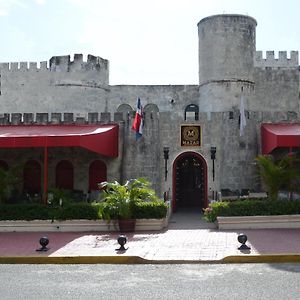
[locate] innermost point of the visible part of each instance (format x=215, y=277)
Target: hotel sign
x=190, y=135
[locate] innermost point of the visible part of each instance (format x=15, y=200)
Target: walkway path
x=187, y=239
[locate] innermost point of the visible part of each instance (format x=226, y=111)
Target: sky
x=146, y=41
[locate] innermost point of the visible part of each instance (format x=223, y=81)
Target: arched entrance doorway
x=189, y=182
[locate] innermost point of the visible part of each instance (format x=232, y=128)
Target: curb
x=72, y=260
x=266, y=258
x=269, y=258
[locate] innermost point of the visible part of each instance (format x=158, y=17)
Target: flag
x=243, y=121
x=137, y=125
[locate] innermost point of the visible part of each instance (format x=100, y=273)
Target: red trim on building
x=101, y=139
x=283, y=135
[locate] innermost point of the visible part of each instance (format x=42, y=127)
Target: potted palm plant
x=120, y=200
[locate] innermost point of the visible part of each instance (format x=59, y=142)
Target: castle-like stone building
x=71, y=129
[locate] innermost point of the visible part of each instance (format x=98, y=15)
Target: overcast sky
x=146, y=42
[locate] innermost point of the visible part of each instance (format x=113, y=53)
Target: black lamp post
x=166, y=157
x=213, y=151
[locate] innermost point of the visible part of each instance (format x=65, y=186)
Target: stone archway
x=189, y=182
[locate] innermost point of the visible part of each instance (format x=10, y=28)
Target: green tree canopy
x=278, y=174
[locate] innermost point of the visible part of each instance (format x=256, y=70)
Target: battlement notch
x=281, y=62
x=62, y=64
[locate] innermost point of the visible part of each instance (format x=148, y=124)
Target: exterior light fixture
x=122, y=240
x=213, y=151
x=166, y=157
x=44, y=241
x=242, y=238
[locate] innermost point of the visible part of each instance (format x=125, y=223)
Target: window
x=191, y=111
x=151, y=110
x=126, y=109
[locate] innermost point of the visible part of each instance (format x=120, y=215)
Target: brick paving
x=187, y=238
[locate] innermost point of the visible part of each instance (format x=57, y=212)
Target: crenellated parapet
x=61, y=64
x=281, y=62
x=60, y=118
x=93, y=63
x=23, y=66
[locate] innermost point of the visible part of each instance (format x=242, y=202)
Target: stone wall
x=276, y=89
x=64, y=86
x=66, y=92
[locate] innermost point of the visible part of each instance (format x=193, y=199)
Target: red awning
x=279, y=135
x=102, y=139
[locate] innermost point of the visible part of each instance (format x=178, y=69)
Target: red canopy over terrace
x=284, y=135
x=102, y=139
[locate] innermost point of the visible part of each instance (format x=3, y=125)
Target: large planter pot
x=127, y=225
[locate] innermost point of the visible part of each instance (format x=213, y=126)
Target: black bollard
x=242, y=238
x=122, y=240
x=44, y=241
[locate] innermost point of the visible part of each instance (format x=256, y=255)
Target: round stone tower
x=226, y=54
x=226, y=48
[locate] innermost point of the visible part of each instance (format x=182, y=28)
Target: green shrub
x=251, y=207
x=141, y=210
x=120, y=200
x=56, y=195
x=210, y=214
x=25, y=212
x=77, y=211
x=150, y=210
x=41, y=212
x=70, y=211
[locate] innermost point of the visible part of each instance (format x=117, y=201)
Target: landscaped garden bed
x=254, y=213
x=76, y=217
x=134, y=200
x=271, y=212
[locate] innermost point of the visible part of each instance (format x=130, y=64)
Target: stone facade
x=229, y=66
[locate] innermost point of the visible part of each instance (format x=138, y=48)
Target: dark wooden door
x=190, y=188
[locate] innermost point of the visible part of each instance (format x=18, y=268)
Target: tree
x=280, y=174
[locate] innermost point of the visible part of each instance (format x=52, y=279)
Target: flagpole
x=137, y=125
